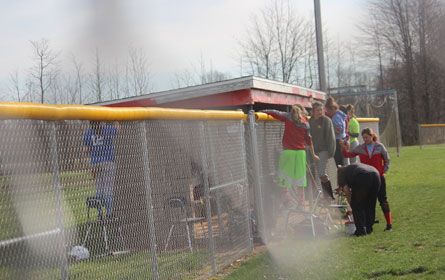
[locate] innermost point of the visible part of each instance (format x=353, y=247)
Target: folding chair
x=175, y=204
x=340, y=204
x=95, y=202
x=314, y=204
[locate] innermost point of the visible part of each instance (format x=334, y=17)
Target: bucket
x=349, y=227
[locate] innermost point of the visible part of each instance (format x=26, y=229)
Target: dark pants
x=363, y=201
x=338, y=156
x=383, y=200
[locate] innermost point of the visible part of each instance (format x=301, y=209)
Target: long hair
x=331, y=104
x=303, y=110
x=351, y=110
x=297, y=114
x=370, y=133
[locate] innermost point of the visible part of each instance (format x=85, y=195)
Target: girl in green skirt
x=292, y=165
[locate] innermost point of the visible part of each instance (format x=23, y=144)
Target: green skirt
x=292, y=168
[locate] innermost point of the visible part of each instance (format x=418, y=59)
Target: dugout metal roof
x=229, y=94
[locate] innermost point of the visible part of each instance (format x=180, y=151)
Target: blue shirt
x=338, y=120
x=370, y=149
x=100, y=146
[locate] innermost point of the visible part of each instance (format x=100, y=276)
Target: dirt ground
x=258, y=249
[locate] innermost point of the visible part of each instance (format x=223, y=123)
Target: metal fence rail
x=431, y=134
x=173, y=192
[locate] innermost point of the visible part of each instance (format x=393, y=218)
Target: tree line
x=400, y=46
x=46, y=82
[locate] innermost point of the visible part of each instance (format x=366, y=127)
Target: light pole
x=319, y=39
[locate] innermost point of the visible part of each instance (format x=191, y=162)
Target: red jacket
x=347, y=127
x=378, y=158
x=295, y=136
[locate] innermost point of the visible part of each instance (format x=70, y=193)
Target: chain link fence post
x=216, y=183
x=420, y=136
x=58, y=200
x=246, y=183
x=205, y=171
x=151, y=226
x=258, y=189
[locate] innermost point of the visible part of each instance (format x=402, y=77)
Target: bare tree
x=15, y=84
x=127, y=81
x=116, y=78
x=406, y=34
x=69, y=88
x=207, y=74
x=30, y=91
x=184, y=78
x=45, y=66
x=275, y=42
x=203, y=73
x=429, y=17
x=97, y=81
x=139, y=70
x=310, y=61
x=78, y=67
x=372, y=47
x=291, y=32
x=257, y=48
x=55, y=90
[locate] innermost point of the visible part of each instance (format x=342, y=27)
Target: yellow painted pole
x=368, y=119
x=9, y=110
x=264, y=117
x=432, y=125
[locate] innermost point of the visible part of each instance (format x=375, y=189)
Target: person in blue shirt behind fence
x=98, y=142
x=339, y=122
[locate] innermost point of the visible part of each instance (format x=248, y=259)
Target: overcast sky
x=174, y=32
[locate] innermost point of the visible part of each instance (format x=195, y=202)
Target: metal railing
x=431, y=134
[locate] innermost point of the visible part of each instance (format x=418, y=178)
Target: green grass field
x=415, y=249
x=172, y=265
x=75, y=188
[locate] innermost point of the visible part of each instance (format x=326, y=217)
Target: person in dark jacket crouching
x=361, y=183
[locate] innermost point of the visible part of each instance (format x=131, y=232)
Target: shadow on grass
x=394, y=272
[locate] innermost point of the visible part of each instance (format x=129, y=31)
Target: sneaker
x=357, y=233
x=368, y=230
x=388, y=228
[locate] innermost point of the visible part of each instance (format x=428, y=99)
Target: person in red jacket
x=292, y=164
x=374, y=153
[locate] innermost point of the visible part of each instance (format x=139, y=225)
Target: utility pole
x=319, y=39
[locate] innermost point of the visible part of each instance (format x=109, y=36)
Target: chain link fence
x=431, y=135
x=156, y=198
x=166, y=195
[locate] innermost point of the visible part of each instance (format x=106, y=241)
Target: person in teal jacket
x=339, y=122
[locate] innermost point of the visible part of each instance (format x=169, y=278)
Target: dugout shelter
x=246, y=93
